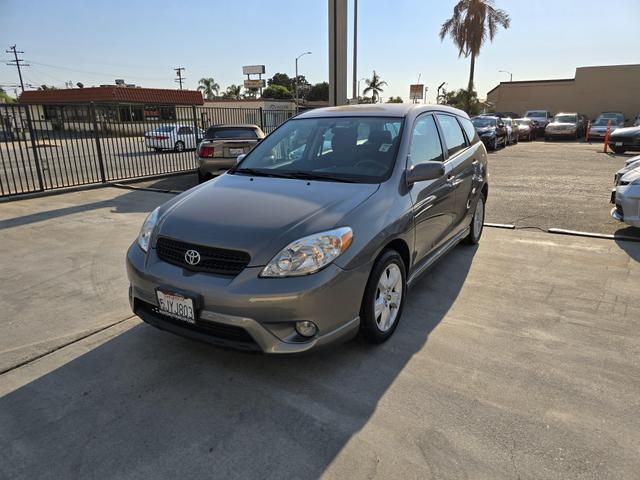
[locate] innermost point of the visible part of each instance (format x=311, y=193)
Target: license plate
x=236, y=151
x=618, y=144
x=176, y=306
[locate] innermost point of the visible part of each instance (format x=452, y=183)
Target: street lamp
x=510, y=74
x=301, y=55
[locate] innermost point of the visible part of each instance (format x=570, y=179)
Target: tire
x=202, y=178
x=477, y=222
x=179, y=146
x=378, y=327
x=494, y=145
x=516, y=140
x=618, y=150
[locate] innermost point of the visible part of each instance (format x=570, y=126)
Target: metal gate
x=78, y=144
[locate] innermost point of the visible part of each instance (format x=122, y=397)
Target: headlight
x=309, y=254
x=147, y=229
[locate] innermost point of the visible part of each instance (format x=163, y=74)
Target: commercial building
x=591, y=91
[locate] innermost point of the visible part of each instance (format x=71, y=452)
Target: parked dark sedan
x=625, y=140
x=526, y=129
x=491, y=130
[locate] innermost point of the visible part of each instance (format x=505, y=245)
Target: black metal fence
x=57, y=146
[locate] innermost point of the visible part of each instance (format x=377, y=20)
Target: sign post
x=416, y=92
x=249, y=70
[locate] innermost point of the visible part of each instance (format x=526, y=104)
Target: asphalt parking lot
x=514, y=359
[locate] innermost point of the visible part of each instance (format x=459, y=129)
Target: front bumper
x=627, y=204
x=626, y=142
x=560, y=133
x=215, y=166
x=249, y=312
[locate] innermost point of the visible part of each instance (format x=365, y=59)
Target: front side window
x=425, y=142
x=452, y=133
x=350, y=149
x=469, y=129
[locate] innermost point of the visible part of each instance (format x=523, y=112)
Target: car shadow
x=150, y=404
x=623, y=238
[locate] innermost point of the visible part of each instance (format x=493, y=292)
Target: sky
x=141, y=41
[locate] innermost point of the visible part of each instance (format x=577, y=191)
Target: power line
x=179, y=74
x=90, y=72
x=18, y=62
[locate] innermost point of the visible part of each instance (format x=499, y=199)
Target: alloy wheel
x=478, y=219
x=388, y=297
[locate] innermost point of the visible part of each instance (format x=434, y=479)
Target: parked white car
x=178, y=137
x=626, y=198
x=630, y=164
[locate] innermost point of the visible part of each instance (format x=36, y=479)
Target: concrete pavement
x=517, y=359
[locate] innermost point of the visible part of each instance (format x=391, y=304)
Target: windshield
x=230, y=133
x=351, y=149
x=565, y=119
x=603, y=122
x=483, y=122
x=536, y=113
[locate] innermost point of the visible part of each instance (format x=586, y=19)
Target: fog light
x=306, y=328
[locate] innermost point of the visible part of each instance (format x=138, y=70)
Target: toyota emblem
x=192, y=257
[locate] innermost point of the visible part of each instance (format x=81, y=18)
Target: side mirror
x=240, y=158
x=425, y=171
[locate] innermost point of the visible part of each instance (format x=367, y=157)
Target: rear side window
x=184, y=131
x=469, y=129
x=452, y=134
x=215, y=133
x=425, y=142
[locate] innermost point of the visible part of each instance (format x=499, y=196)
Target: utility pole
x=18, y=62
x=355, y=49
x=179, y=74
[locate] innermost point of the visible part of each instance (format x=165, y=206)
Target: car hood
x=483, y=130
x=260, y=215
x=631, y=160
x=561, y=125
x=627, y=132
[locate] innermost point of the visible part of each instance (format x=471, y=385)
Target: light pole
x=510, y=74
x=301, y=55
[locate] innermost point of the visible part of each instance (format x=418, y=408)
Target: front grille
x=205, y=327
x=212, y=260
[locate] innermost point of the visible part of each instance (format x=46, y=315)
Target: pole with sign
x=249, y=70
x=416, y=92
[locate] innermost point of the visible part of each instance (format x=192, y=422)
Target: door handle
x=452, y=180
x=475, y=161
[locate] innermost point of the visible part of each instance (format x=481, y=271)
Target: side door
x=459, y=164
x=472, y=173
x=433, y=200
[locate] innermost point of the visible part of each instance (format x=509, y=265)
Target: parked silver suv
x=316, y=233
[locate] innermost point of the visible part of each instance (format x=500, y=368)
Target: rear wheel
x=383, y=299
x=202, y=177
x=477, y=223
x=179, y=146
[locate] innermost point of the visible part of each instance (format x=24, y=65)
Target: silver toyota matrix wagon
x=317, y=233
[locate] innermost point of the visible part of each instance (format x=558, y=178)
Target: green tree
x=374, y=86
x=208, y=87
x=394, y=100
x=464, y=100
x=319, y=91
x=472, y=22
x=277, y=92
x=281, y=79
x=4, y=97
x=233, y=92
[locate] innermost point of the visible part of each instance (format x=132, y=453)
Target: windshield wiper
x=318, y=176
x=260, y=173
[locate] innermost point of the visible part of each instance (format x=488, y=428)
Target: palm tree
x=471, y=23
x=374, y=85
x=208, y=87
x=233, y=92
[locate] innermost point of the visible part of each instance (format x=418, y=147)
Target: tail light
x=206, y=151
x=159, y=137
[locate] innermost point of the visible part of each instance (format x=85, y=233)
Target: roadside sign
x=416, y=91
x=253, y=70
x=254, y=83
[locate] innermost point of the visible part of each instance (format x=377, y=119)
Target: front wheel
x=618, y=150
x=179, y=146
x=477, y=223
x=383, y=299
